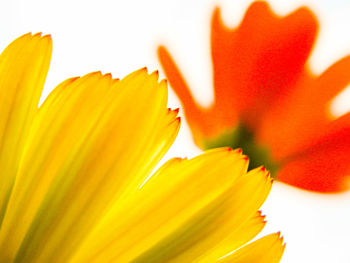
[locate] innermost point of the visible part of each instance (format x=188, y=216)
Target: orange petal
x=179, y=85
x=203, y=122
x=261, y=59
x=178, y=82
x=287, y=127
x=332, y=81
x=304, y=112
x=325, y=167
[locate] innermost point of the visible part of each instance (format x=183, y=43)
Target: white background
x=122, y=36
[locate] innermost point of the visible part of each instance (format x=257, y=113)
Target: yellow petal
x=218, y=246
x=95, y=139
x=226, y=213
x=170, y=197
x=23, y=68
x=268, y=249
x=180, y=206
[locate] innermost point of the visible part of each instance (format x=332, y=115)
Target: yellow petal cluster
x=76, y=174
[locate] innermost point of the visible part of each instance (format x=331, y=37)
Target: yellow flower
x=75, y=174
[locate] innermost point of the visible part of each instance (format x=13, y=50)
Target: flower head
x=75, y=177
x=269, y=103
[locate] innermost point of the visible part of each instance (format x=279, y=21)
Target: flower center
x=241, y=137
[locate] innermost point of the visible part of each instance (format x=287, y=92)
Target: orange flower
x=269, y=103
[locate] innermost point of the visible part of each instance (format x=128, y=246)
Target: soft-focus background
x=122, y=36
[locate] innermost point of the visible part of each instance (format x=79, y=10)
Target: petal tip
x=155, y=74
x=38, y=34
x=164, y=82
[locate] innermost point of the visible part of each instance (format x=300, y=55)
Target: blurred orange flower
x=269, y=103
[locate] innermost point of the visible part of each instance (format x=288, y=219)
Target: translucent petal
x=88, y=147
x=212, y=223
x=268, y=249
x=169, y=200
x=23, y=68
